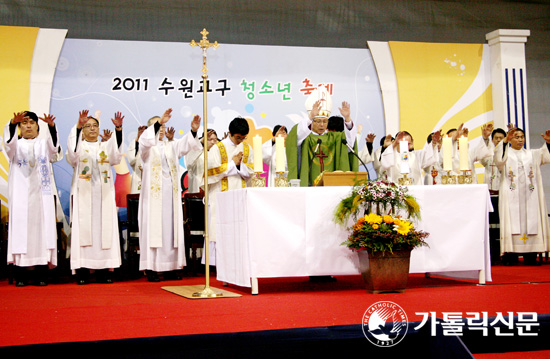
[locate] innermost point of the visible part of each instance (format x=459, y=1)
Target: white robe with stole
x=95, y=240
x=160, y=213
x=390, y=163
x=524, y=226
x=32, y=235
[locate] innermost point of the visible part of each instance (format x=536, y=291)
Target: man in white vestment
x=134, y=159
x=95, y=242
x=32, y=236
x=269, y=155
x=230, y=166
x=492, y=179
x=475, y=153
x=492, y=174
x=524, y=226
x=366, y=153
x=396, y=161
x=194, y=161
x=432, y=174
x=160, y=214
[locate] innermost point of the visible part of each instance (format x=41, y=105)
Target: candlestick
x=463, y=153
x=280, y=154
x=447, y=148
x=257, y=148
x=404, y=152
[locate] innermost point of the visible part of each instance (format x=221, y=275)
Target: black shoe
x=530, y=259
x=82, y=276
x=152, y=276
x=40, y=276
x=21, y=276
x=104, y=276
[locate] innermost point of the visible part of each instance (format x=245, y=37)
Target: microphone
x=318, y=144
x=352, y=151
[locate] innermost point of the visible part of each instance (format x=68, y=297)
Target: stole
x=531, y=196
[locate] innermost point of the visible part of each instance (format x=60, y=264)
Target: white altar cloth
x=289, y=232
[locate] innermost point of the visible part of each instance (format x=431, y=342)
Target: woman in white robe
x=160, y=216
x=32, y=236
x=95, y=242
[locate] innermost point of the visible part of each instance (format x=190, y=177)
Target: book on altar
x=340, y=178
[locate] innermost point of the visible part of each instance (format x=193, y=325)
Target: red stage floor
x=136, y=309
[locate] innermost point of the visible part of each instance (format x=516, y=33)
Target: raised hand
x=486, y=130
x=140, y=131
x=82, y=118
x=546, y=136
x=117, y=121
x=370, y=137
x=169, y=133
x=345, y=111
x=165, y=116
x=315, y=109
x=48, y=119
x=398, y=139
x=437, y=137
x=106, y=135
x=18, y=117
x=388, y=141
x=196, y=123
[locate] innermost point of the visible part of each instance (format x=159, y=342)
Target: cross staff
x=204, y=44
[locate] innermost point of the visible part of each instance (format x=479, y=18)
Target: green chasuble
x=332, y=155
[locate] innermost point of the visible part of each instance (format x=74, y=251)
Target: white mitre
x=320, y=93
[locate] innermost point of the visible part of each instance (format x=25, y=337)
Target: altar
x=289, y=232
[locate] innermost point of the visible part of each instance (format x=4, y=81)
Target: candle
x=257, y=148
x=280, y=157
x=404, y=151
x=463, y=153
x=447, y=148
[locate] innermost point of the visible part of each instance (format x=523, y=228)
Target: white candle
x=447, y=148
x=257, y=148
x=463, y=153
x=404, y=151
x=280, y=158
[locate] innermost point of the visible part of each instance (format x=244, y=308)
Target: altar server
x=160, y=216
x=230, y=167
x=32, y=237
x=524, y=224
x=95, y=243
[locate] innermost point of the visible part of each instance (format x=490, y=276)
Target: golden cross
x=524, y=238
x=204, y=44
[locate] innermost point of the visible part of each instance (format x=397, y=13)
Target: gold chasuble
x=331, y=155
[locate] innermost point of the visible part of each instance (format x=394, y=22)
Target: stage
x=292, y=317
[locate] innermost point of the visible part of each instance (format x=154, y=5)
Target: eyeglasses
x=93, y=125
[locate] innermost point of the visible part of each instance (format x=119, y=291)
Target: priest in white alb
x=399, y=157
x=524, y=226
x=134, y=159
x=32, y=236
x=160, y=216
x=95, y=242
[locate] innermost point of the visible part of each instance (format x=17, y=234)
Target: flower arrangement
x=384, y=233
x=376, y=196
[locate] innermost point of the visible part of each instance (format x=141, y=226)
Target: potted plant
x=383, y=242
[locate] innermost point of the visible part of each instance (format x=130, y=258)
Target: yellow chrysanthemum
x=403, y=227
x=373, y=218
x=396, y=221
x=388, y=219
x=374, y=226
